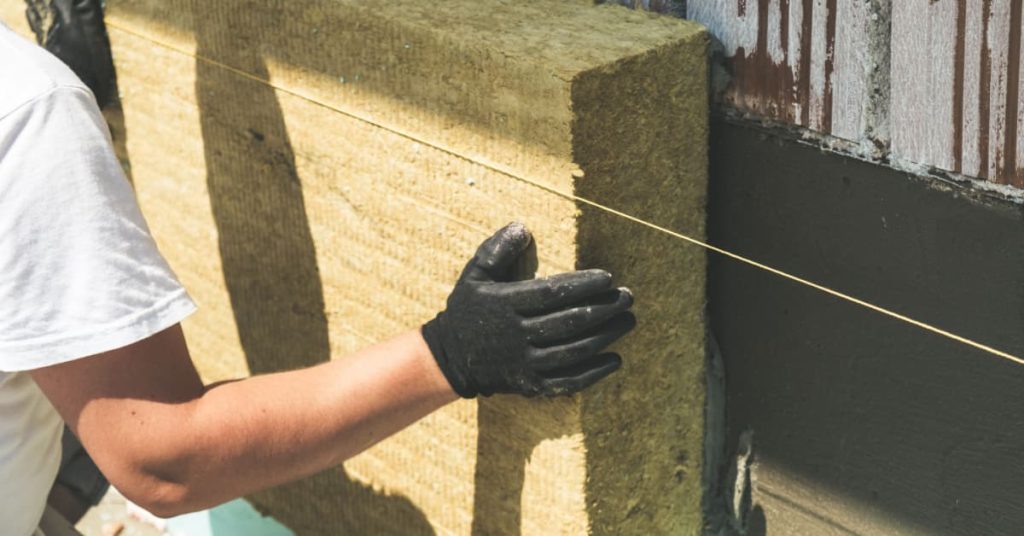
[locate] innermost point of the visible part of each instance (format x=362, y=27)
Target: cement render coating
x=305, y=234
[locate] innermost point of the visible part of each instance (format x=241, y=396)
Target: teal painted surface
x=235, y=518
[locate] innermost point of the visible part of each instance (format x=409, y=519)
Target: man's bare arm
x=172, y=445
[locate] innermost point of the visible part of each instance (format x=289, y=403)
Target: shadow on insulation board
x=256, y=199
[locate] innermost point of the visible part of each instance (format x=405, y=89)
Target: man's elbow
x=160, y=498
x=163, y=489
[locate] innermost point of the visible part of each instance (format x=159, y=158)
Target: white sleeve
x=79, y=272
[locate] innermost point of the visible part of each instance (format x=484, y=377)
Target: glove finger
x=35, y=19
x=561, y=325
x=496, y=256
x=89, y=7
x=63, y=11
x=542, y=296
x=575, y=352
x=578, y=378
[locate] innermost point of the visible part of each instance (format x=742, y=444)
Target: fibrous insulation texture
x=317, y=172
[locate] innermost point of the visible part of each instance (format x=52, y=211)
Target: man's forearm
x=174, y=446
x=251, y=434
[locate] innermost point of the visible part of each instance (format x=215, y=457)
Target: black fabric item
x=529, y=337
x=73, y=30
x=78, y=472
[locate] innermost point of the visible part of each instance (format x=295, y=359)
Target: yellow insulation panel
x=318, y=171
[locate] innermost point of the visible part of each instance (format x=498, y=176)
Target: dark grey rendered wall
x=863, y=424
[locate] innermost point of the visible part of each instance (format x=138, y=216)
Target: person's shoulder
x=29, y=73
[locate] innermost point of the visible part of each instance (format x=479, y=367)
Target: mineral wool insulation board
x=318, y=172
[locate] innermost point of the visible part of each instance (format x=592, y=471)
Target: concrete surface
x=112, y=512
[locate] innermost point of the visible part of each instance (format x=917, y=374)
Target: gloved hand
x=538, y=336
x=73, y=30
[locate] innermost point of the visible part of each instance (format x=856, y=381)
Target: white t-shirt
x=79, y=272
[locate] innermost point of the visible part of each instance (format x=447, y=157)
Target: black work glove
x=538, y=336
x=73, y=30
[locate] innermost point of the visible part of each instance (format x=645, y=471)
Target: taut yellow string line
x=493, y=166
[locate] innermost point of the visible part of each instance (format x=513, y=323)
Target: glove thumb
x=496, y=257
